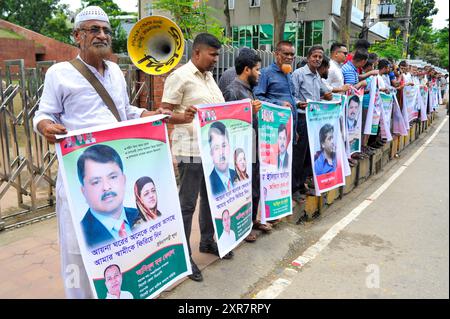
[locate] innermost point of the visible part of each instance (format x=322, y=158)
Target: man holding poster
x=70, y=102
x=192, y=84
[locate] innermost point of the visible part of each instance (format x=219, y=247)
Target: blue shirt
x=308, y=85
x=276, y=87
x=350, y=73
x=321, y=165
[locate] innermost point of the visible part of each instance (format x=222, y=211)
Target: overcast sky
x=131, y=6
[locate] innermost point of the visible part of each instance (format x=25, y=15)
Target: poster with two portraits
x=120, y=186
x=225, y=137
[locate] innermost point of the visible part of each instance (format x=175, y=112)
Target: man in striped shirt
x=350, y=69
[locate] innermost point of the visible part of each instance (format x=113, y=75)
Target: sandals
x=250, y=238
x=264, y=227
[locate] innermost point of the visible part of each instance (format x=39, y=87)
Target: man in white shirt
x=193, y=84
x=338, y=55
x=113, y=282
x=70, y=102
x=228, y=237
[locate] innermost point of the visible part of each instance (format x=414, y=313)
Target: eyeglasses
x=95, y=30
x=345, y=52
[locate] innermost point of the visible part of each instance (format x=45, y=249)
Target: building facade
x=316, y=22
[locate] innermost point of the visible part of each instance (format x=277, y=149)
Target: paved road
x=398, y=247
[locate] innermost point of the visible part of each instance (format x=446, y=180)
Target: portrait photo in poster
x=275, y=161
x=385, y=120
x=225, y=141
x=354, y=122
x=326, y=146
x=410, y=94
x=131, y=237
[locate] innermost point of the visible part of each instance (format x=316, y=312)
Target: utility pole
x=296, y=11
x=366, y=21
x=407, y=28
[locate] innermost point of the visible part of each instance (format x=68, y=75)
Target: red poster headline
x=236, y=111
x=331, y=179
x=150, y=131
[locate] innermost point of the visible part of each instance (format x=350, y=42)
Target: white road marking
x=279, y=285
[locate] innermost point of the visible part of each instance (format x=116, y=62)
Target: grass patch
x=4, y=33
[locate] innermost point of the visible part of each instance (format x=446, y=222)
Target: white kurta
x=69, y=99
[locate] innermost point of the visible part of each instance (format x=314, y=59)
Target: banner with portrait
x=225, y=136
x=354, y=105
x=423, y=100
x=120, y=187
x=434, y=97
x=385, y=122
x=399, y=126
x=374, y=110
x=410, y=103
x=275, y=133
x=327, y=149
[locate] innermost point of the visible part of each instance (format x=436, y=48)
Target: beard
x=252, y=81
x=103, y=51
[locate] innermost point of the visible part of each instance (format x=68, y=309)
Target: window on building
x=255, y=3
x=231, y=4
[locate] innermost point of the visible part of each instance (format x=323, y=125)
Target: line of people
x=69, y=102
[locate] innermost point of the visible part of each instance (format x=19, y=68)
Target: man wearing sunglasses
x=338, y=54
x=70, y=102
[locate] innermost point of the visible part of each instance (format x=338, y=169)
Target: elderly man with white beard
x=69, y=102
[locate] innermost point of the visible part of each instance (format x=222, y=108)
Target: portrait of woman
x=146, y=199
x=240, y=165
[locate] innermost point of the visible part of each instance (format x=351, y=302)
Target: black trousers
x=192, y=182
x=256, y=190
x=301, y=161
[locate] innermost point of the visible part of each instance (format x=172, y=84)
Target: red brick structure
x=35, y=47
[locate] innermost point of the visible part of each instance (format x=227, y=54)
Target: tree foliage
x=389, y=48
x=192, y=17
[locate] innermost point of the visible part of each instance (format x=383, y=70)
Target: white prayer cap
x=91, y=13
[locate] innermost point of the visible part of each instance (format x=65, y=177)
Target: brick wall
x=12, y=49
x=54, y=50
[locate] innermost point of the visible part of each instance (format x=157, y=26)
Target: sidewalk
x=30, y=263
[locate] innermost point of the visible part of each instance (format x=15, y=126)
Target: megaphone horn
x=155, y=45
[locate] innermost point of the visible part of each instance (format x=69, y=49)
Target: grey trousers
x=192, y=182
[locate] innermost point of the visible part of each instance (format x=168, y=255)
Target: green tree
x=389, y=48
x=32, y=15
x=58, y=26
x=192, y=17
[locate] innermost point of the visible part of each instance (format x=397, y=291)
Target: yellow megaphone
x=155, y=45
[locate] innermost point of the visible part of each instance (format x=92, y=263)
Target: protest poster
x=399, y=125
x=225, y=137
x=410, y=102
x=423, y=100
x=120, y=186
x=275, y=132
x=354, y=120
x=434, y=97
x=386, y=114
x=374, y=109
x=325, y=142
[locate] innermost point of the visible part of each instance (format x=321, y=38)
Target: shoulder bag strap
x=83, y=69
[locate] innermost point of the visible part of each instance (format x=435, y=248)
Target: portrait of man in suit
x=100, y=172
x=353, y=113
x=221, y=177
x=283, y=156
